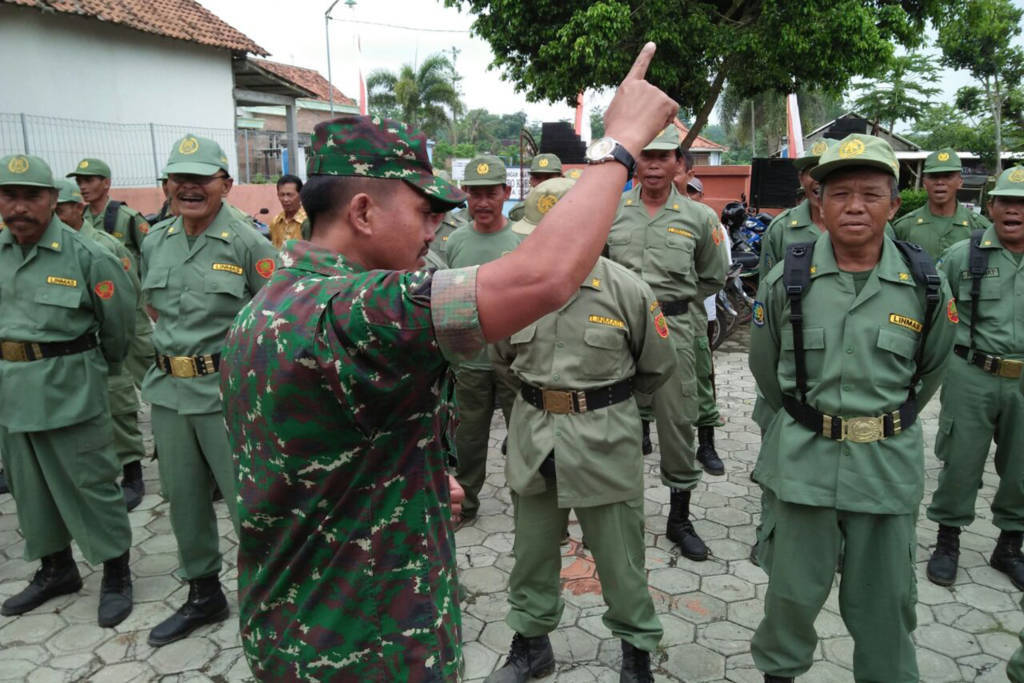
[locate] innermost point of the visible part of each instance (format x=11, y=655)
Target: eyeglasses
x=189, y=178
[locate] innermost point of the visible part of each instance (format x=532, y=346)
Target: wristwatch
x=609, y=149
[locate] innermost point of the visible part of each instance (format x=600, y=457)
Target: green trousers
x=976, y=408
x=877, y=590
x=64, y=483
x=675, y=411
x=141, y=355
x=707, y=406
x=615, y=536
x=477, y=394
x=195, y=456
x=124, y=409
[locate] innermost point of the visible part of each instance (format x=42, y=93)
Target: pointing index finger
x=643, y=60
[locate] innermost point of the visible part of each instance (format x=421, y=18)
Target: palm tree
x=425, y=97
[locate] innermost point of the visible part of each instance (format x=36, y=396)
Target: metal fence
x=135, y=151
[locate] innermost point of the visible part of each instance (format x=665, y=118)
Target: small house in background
x=704, y=151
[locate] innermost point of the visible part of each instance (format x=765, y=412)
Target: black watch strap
x=622, y=155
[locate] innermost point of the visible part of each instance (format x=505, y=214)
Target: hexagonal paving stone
x=727, y=587
x=77, y=639
x=698, y=608
x=947, y=640
x=725, y=637
x=694, y=663
x=673, y=581
x=184, y=655
x=29, y=629
x=573, y=644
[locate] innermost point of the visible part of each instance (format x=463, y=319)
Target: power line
x=404, y=28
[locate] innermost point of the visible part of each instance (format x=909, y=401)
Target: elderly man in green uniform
x=542, y=167
x=198, y=272
x=124, y=400
x=851, y=336
x=65, y=321
x=943, y=221
x=980, y=400
x=670, y=241
x=346, y=559
x=478, y=388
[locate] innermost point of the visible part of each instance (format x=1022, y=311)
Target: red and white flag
x=794, y=129
x=363, y=99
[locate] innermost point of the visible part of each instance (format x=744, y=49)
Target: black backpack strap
x=796, y=278
x=110, y=216
x=977, y=265
x=922, y=267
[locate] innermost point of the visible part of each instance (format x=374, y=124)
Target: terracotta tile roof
x=180, y=19
x=310, y=79
x=699, y=143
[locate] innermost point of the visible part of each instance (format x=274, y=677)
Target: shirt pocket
x=814, y=354
x=893, y=366
x=154, y=287
x=677, y=256
x=524, y=336
x=52, y=315
x=225, y=291
x=602, y=355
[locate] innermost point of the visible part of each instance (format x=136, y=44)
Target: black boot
x=527, y=658
x=636, y=665
x=504, y=446
x=115, y=592
x=707, y=456
x=58, y=575
x=680, y=530
x=646, y=447
x=1007, y=557
x=768, y=678
x=206, y=604
x=3, y=483
x=132, y=485
x=942, y=564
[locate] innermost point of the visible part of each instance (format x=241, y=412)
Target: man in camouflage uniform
x=346, y=560
x=542, y=167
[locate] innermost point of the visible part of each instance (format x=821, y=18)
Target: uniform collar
x=961, y=216
x=673, y=203
x=890, y=266
x=52, y=238
x=800, y=216
x=596, y=278
x=219, y=229
x=303, y=255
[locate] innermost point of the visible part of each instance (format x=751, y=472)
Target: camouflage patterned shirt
x=330, y=377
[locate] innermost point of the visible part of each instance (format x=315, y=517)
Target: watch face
x=600, y=148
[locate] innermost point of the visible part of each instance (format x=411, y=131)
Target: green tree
x=553, y=49
x=901, y=90
x=758, y=123
x=982, y=37
x=425, y=97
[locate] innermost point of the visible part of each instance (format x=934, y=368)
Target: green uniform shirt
x=130, y=228
x=197, y=290
x=860, y=351
x=66, y=286
x=610, y=330
x=448, y=225
x=937, y=233
x=792, y=226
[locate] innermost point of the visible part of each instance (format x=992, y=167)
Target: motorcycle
x=746, y=226
x=733, y=307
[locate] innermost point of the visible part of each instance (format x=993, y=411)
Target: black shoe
x=646, y=446
x=768, y=678
x=707, y=456
x=115, y=592
x=132, y=485
x=527, y=658
x=206, y=604
x=943, y=562
x=3, y=483
x=1007, y=557
x=636, y=665
x=680, y=530
x=58, y=575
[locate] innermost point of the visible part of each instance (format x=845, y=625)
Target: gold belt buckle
x=863, y=429
x=558, y=402
x=1010, y=368
x=13, y=351
x=183, y=366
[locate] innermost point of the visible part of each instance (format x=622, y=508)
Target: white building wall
x=81, y=87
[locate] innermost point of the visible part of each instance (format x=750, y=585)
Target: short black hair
x=289, y=178
x=687, y=157
x=324, y=195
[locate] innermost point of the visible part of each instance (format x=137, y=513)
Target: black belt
x=16, y=351
x=989, y=363
x=565, y=402
x=189, y=366
x=854, y=429
x=670, y=308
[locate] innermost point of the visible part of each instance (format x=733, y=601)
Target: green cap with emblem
x=196, y=156
x=546, y=163
x=373, y=147
x=89, y=166
x=857, y=150
x=69, y=192
x=1009, y=184
x=942, y=161
x=811, y=155
x=485, y=170
x=539, y=202
x=25, y=169
x=667, y=139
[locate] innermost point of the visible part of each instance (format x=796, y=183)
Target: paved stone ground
x=709, y=609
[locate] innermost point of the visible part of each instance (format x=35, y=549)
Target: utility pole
x=327, y=36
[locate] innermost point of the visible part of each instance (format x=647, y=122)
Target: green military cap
x=539, y=202
x=69, y=192
x=546, y=163
x=942, y=161
x=485, y=170
x=667, y=139
x=373, y=147
x=196, y=156
x=810, y=156
x=23, y=169
x=1010, y=183
x=857, y=150
x=90, y=167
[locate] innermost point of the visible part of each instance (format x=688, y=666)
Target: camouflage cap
x=485, y=170
x=539, y=202
x=857, y=150
x=546, y=163
x=667, y=139
x=1010, y=183
x=69, y=192
x=372, y=147
x=942, y=160
x=24, y=169
x=194, y=155
x=810, y=157
x=90, y=167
